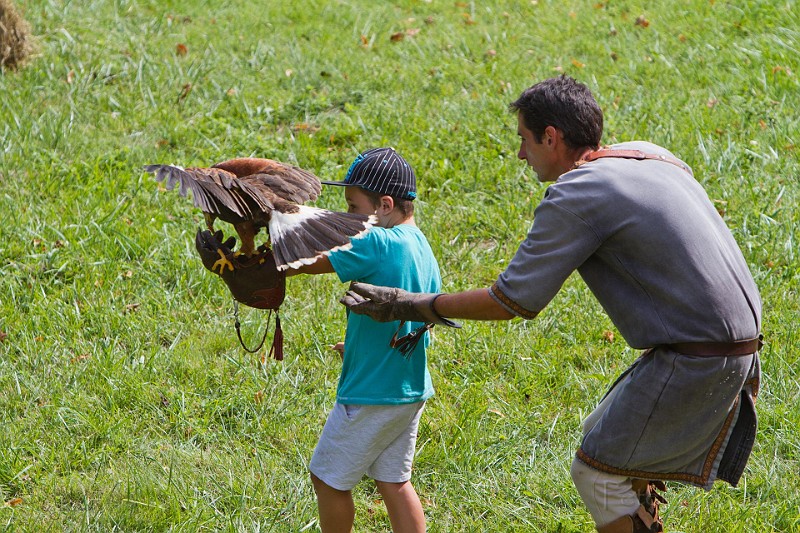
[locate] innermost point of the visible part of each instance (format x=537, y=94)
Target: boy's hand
x=253, y=281
x=387, y=304
x=338, y=348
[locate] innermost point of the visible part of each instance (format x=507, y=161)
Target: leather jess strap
x=632, y=154
x=710, y=349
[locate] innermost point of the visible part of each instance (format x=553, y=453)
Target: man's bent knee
x=608, y=497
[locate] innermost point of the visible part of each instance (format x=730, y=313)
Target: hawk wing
x=286, y=181
x=215, y=191
x=252, y=193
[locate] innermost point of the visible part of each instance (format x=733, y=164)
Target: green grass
x=126, y=402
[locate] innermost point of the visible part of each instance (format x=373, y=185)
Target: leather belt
x=711, y=349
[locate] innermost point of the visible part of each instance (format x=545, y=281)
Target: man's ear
x=551, y=136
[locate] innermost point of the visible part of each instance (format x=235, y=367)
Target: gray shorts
x=376, y=440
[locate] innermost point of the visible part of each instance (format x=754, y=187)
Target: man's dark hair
x=564, y=104
x=406, y=207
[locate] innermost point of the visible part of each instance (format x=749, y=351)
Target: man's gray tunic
x=652, y=248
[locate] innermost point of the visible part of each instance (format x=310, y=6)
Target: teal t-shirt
x=372, y=371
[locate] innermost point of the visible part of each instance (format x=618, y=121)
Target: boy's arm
x=320, y=266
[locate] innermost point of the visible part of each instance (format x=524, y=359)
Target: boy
x=372, y=428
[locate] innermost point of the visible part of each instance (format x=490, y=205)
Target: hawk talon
x=222, y=262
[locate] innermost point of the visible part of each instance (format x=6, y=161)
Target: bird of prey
x=253, y=193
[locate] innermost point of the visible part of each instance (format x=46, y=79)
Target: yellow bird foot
x=222, y=262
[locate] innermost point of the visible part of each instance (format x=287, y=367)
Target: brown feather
x=246, y=191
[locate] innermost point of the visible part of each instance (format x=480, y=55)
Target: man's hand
x=387, y=304
x=253, y=281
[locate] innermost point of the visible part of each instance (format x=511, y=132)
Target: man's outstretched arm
x=475, y=304
x=386, y=304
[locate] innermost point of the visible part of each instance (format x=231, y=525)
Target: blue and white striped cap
x=381, y=170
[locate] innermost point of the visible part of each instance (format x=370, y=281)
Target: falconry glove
x=387, y=304
x=254, y=281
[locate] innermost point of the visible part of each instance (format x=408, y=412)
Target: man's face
x=537, y=154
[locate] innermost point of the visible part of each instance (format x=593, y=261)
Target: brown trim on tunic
x=701, y=480
x=511, y=304
x=631, y=154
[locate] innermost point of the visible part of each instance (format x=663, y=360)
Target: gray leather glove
x=387, y=304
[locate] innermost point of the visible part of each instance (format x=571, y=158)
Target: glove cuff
x=439, y=319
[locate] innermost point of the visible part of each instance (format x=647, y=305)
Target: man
x=648, y=242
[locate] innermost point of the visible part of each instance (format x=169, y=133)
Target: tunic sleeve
x=558, y=242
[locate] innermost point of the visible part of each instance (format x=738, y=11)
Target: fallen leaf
x=491, y=53
x=181, y=49
x=497, y=412
x=259, y=396
x=187, y=88
x=81, y=357
x=682, y=38
x=641, y=21
x=130, y=308
x=711, y=102
x=364, y=40
x=70, y=76
x=608, y=336
x=231, y=92
x=303, y=126
x=720, y=206
x=577, y=63
x=399, y=36
x=13, y=502
x=411, y=32
x=3, y=335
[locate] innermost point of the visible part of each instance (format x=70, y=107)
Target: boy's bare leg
x=336, y=509
x=403, y=505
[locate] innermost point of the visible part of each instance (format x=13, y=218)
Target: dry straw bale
x=16, y=42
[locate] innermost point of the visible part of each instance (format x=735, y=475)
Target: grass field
x=126, y=403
